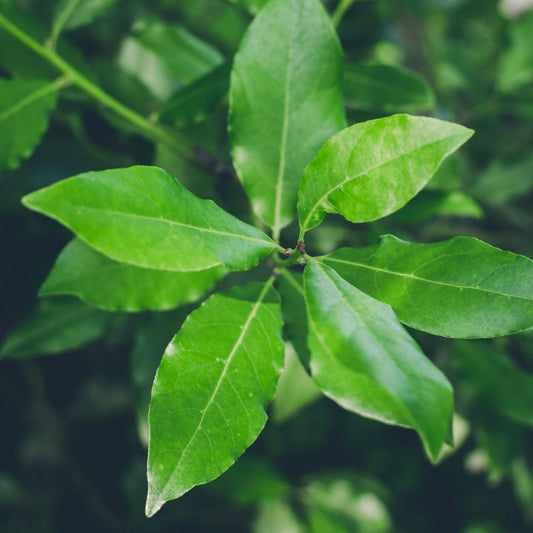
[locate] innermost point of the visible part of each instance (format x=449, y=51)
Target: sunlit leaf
x=461, y=287
x=144, y=217
x=370, y=170
x=209, y=395
x=363, y=359
x=285, y=101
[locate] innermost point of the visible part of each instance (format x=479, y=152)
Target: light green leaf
x=461, y=288
x=25, y=106
x=502, y=384
x=81, y=271
x=285, y=102
x=166, y=57
x=71, y=14
x=57, y=325
x=385, y=88
x=370, y=170
x=144, y=217
x=209, y=395
x=195, y=101
x=363, y=359
x=276, y=516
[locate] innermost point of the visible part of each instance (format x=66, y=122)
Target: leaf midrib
x=163, y=220
x=367, y=171
x=223, y=374
x=418, y=278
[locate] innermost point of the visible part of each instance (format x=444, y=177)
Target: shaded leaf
x=276, y=516
x=209, y=395
x=501, y=383
x=285, y=101
x=166, y=57
x=57, y=325
x=195, y=101
x=71, y=14
x=144, y=217
x=385, y=88
x=81, y=271
x=370, y=170
x=461, y=288
x=363, y=359
x=25, y=106
x=253, y=6
x=503, y=182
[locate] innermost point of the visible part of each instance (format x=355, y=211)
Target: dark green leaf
x=72, y=14
x=363, y=359
x=166, y=57
x=209, y=395
x=102, y=282
x=25, y=106
x=253, y=6
x=503, y=182
x=56, y=325
x=386, y=88
x=370, y=170
x=285, y=101
x=499, y=382
x=144, y=217
x=462, y=288
x=196, y=100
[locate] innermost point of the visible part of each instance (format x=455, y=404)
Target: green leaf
x=363, y=359
x=385, y=88
x=81, y=271
x=56, y=325
x=516, y=65
x=370, y=170
x=276, y=516
x=209, y=395
x=25, y=106
x=144, y=217
x=461, y=288
x=166, y=57
x=195, y=101
x=253, y=6
x=285, y=102
x=504, y=182
x=71, y=14
x=506, y=387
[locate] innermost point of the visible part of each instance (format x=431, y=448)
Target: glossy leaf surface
x=461, y=287
x=370, y=170
x=209, y=395
x=72, y=14
x=82, y=271
x=285, y=102
x=56, y=325
x=385, y=88
x=25, y=106
x=363, y=359
x=144, y=217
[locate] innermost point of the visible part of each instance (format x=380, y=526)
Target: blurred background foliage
x=72, y=452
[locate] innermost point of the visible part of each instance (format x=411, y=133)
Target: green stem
x=340, y=10
x=59, y=22
x=151, y=130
